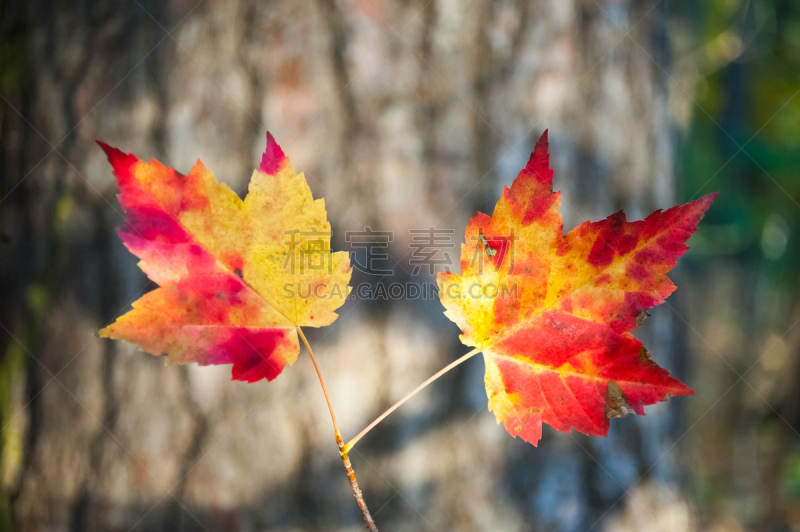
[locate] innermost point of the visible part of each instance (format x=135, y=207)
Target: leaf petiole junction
x=351, y=475
x=349, y=445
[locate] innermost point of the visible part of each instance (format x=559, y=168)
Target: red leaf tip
x=119, y=159
x=539, y=163
x=709, y=198
x=110, y=151
x=273, y=158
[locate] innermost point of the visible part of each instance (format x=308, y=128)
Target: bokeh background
x=403, y=115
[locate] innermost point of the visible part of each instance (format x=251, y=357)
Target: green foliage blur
x=744, y=134
x=741, y=65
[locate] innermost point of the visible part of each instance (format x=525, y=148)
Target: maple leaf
x=552, y=313
x=237, y=277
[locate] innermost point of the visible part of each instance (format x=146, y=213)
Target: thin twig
x=411, y=394
x=351, y=475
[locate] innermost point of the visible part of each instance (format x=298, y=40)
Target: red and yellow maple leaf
x=552, y=313
x=237, y=277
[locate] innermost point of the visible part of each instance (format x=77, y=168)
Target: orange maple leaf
x=237, y=277
x=552, y=313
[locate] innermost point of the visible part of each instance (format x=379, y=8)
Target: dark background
x=403, y=115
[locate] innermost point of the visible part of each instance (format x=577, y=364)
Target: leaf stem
x=348, y=467
x=411, y=394
x=319, y=376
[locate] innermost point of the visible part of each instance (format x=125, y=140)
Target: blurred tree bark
x=402, y=115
